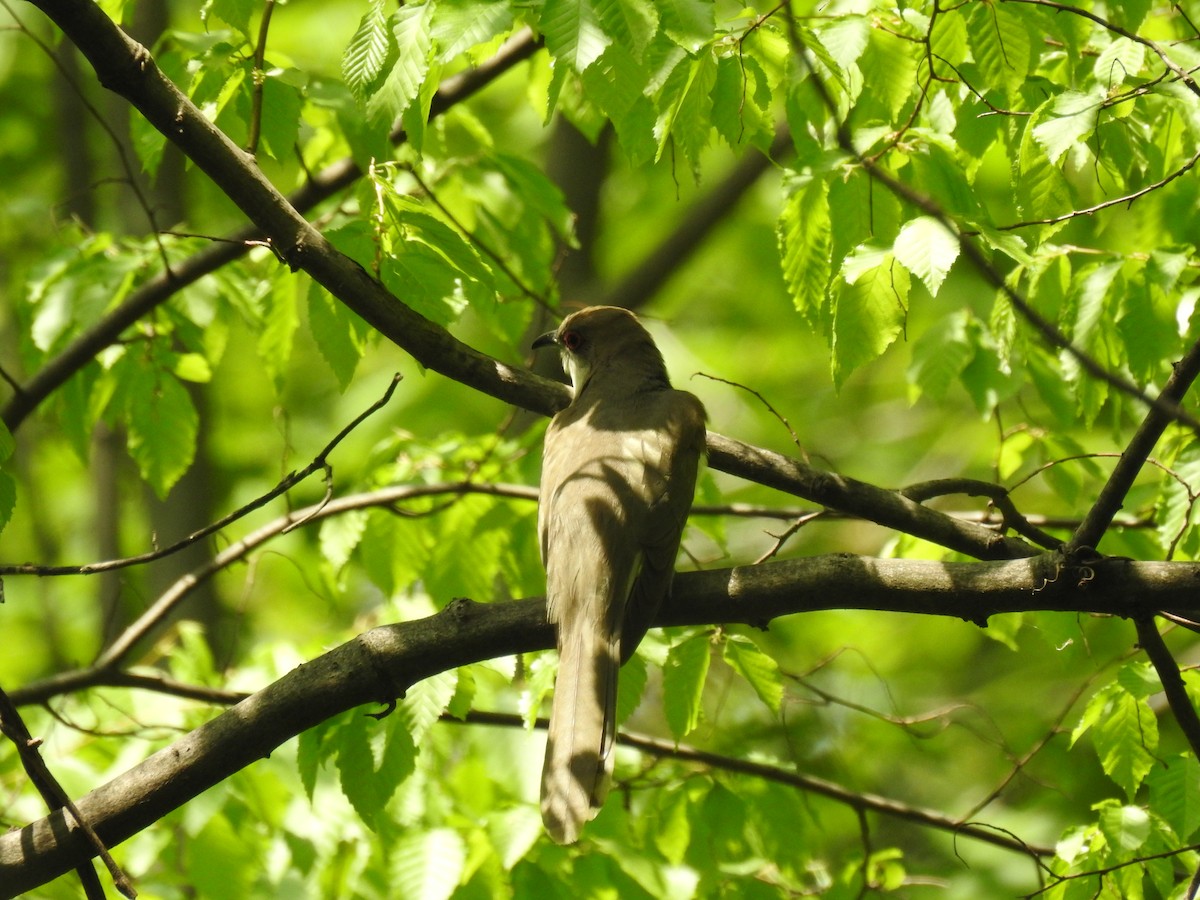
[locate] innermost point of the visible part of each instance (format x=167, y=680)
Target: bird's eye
x=572, y=340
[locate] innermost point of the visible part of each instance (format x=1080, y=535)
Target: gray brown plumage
x=618, y=475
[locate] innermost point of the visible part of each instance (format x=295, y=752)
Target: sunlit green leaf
x=683, y=682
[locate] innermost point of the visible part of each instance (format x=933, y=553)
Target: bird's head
x=605, y=338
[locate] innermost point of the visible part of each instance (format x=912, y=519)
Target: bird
x=619, y=469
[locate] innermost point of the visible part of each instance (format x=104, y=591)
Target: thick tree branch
x=379, y=665
x=162, y=287
x=127, y=68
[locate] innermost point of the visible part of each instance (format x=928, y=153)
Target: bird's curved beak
x=545, y=340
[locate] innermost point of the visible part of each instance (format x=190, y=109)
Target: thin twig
x=14, y=728
x=287, y=483
x=779, y=775
x=256, y=100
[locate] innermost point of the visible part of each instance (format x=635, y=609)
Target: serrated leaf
x=889, y=68
x=1175, y=794
x=630, y=23
x=573, y=32
x=1126, y=737
x=1000, y=45
x=615, y=84
x=428, y=865
x=8, y=499
x=1139, y=679
x=690, y=23
x=684, y=674
x=940, y=355
x=685, y=107
x=363, y=61
x=927, y=250
x=309, y=756
x=281, y=106
x=339, y=535
x=333, y=329
x=870, y=307
x=373, y=759
x=1118, y=63
x=1072, y=119
x=513, y=833
x=805, y=237
x=410, y=26
x=630, y=687
x=1125, y=827
x=425, y=701
x=280, y=319
x=235, y=13
x=759, y=669
x=162, y=424
x=1175, y=509
x=1041, y=189
x=458, y=27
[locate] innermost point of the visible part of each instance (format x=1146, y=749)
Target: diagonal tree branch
x=334, y=178
x=127, y=68
x=380, y=664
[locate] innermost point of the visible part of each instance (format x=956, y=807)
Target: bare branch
x=320, y=461
x=857, y=800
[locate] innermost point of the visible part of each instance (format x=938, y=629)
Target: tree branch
x=162, y=287
x=857, y=800
x=379, y=665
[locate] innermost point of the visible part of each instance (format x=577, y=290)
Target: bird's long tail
x=579, y=745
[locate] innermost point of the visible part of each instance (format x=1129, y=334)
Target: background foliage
x=941, y=240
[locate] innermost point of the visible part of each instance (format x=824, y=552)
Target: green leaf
x=1125, y=827
x=339, y=535
x=282, y=103
x=1041, y=189
x=364, y=59
x=940, y=355
x=162, y=424
x=926, y=249
x=889, y=69
x=573, y=32
x=233, y=12
x=373, y=758
x=804, y=231
x=1001, y=45
x=425, y=701
x=759, y=669
x=1126, y=737
x=1119, y=62
x=428, y=865
x=631, y=686
x=870, y=308
x=458, y=27
x=414, y=42
x=630, y=23
x=684, y=675
x=615, y=84
x=1074, y=119
x=8, y=499
x=280, y=318
x=335, y=329
x=1175, y=794
x=690, y=23
x=685, y=107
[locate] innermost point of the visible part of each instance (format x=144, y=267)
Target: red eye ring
x=572, y=340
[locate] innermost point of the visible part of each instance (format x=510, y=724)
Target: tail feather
x=579, y=757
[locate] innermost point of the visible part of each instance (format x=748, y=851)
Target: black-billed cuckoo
x=618, y=475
